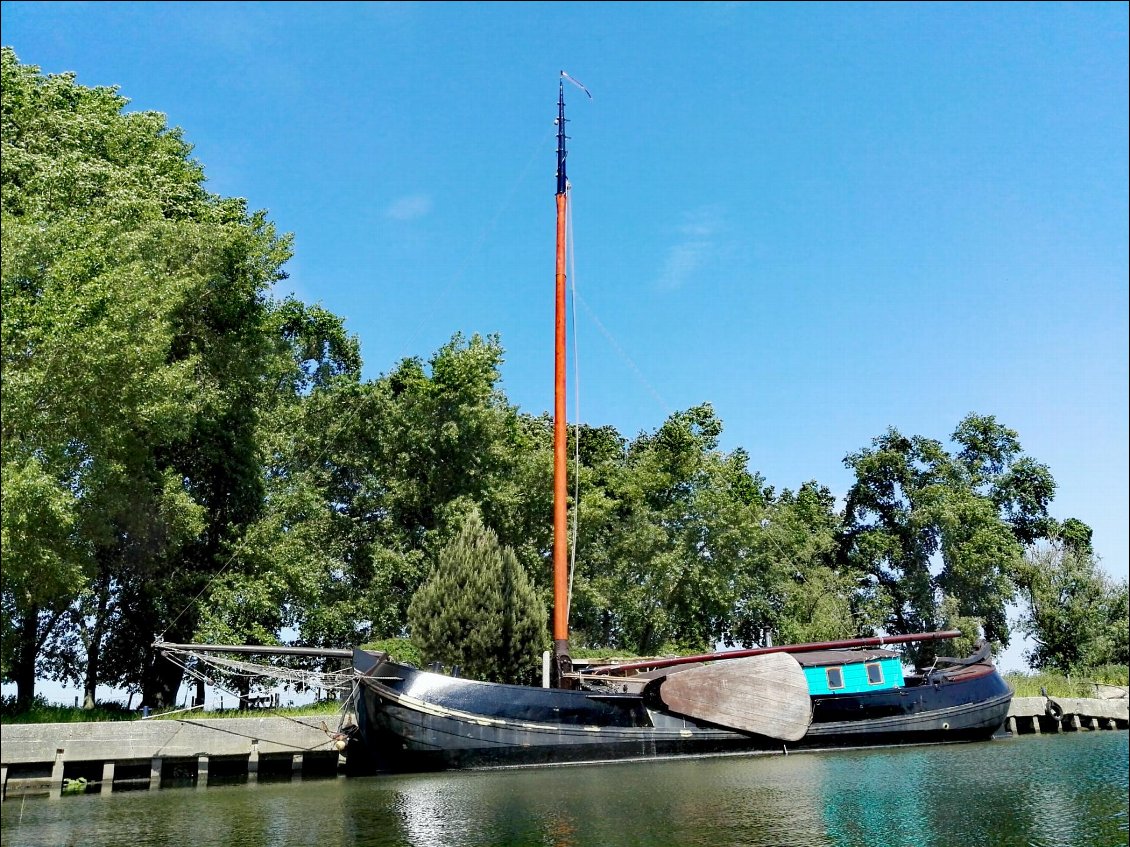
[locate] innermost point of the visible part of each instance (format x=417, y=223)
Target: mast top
x=562, y=180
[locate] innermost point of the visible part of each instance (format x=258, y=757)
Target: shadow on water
x=1064, y=790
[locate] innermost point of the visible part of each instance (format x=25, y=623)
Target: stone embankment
x=69, y=758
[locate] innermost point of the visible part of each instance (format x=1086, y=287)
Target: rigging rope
x=353, y=413
x=343, y=680
x=329, y=680
x=572, y=277
x=663, y=404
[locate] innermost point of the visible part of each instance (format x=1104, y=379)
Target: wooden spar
x=562, y=662
x=260, y=649
x=877, y=641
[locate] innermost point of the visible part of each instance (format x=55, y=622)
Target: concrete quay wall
x=117, y=755
x=1058, y=714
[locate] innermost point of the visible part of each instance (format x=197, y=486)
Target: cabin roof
x=819, y=658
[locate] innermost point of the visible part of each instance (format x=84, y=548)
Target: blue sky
x=825, y=220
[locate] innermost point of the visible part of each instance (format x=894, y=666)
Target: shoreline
x=111, y=756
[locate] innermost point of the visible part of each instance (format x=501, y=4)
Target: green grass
x=1061, y=685
x=322, y=707
x=43, y=712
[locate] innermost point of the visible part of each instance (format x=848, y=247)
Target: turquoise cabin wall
x=855, y=678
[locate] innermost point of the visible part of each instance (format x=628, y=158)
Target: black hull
x=412, y=720
x=970, y=707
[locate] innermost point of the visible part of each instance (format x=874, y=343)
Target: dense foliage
x=185, y=456
x=1075, y=614
x=140, y=351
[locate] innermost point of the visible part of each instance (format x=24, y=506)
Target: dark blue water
x=1030, y=792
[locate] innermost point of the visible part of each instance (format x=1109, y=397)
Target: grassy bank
x=1083, y=684
x=43, y=712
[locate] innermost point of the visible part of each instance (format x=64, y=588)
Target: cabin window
x=874, y=673
x=835, y=678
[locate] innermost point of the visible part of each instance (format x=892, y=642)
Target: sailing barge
x=810, y=697
x=814, y=695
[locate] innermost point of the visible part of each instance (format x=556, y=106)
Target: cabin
x=851, y=671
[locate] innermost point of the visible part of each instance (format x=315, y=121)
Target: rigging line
x=193, y=673
x=663, y=404
x=483, y=235
x=248, y=670
x=351, y=414
x=576, y=394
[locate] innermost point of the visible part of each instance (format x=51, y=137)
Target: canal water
x=1030, y=792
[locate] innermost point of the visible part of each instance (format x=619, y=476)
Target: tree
x=1076, y=615
x=682, y=547
x=135, y=312
x=478, y=609
x=804, y=594
x=942, y=533
x=295, y=538
x=654, y=547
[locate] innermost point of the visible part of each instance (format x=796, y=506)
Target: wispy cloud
x=693, y=249
x=410, y=207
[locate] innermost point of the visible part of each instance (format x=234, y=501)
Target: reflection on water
x=1030, y=792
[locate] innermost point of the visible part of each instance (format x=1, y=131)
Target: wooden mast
x=562, y=663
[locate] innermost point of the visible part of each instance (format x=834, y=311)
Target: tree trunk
x=162, y=678
x=24, y=664
x=94, y=645
x=162, y=682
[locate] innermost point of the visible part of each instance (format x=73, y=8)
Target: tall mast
x=562, y=663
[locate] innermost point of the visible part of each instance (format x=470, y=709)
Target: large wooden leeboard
x=767, y=695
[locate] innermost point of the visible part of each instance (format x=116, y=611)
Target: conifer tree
x=478, y=610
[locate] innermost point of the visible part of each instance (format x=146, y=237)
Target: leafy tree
x=478, y=609
x=645, y=580
x=276, y=563
x=134, y=310
x=942, y=533
x=806, y=595
x=682, y=547
x=364, y=482
x=1076, y=615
